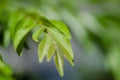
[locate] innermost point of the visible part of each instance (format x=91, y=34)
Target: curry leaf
x=21, y=33
x=14, y=19
x=63, y=44
x=45, y=21
x=43, y=48
x=59, y=62
x=55, y=41
x=1, y=58
x=37, y=33
x=62, y=27
x=51, y=51
x=6, y=38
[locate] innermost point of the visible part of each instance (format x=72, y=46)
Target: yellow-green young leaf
x=51, y=51
x=37, y=33
x=62, y=27
x=63, y=44
x=20, y=34
x=43, y=48
x=59, y=62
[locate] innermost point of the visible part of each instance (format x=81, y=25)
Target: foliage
x=52, y=36
x=5, y=71
x=94, y=23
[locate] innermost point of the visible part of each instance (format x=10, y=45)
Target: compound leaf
x=63, y=44
x=56, y=41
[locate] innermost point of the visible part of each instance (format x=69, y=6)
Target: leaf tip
x=72, y=63
x=61, y=74
x=35, y=39
x=48, y=60
x=40, y=60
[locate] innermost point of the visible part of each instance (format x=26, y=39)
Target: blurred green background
x=95, y=29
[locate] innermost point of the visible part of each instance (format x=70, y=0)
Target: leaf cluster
x=52, y=36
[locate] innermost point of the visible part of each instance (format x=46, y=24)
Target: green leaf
x=62, y=27
x=37, y=33
x=45, y=21
x=20, y=46
x=21, y=32
x=1, y=58
x=14, y=19
x=6, y=38
x=51, y=51
x=63, y=44
x=5, y=71
x=59, y=62
x=43, y=48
